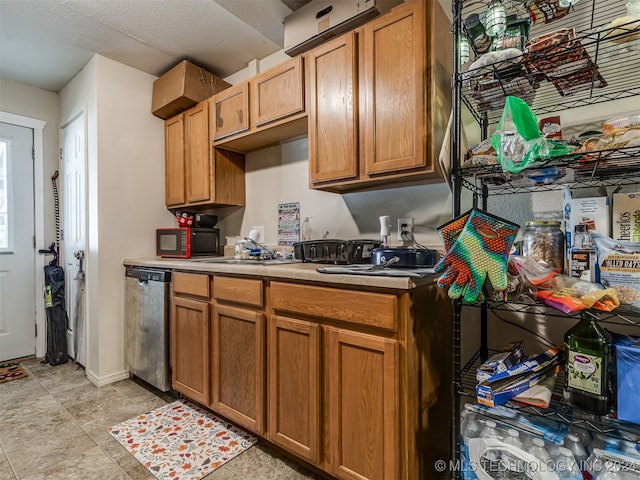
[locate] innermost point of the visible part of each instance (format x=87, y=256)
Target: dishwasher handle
x=145, y=275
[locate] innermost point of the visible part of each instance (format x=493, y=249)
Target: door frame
x=38, y=191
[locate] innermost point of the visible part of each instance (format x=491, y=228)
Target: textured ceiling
x=44, y=43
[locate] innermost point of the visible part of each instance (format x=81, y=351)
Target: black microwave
x=187, y=242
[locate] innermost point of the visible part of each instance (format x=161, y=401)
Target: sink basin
x=236, y=261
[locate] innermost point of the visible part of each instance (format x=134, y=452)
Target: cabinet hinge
x=33, y=153
x=61, y=154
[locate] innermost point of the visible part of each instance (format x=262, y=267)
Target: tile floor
x=53, y=426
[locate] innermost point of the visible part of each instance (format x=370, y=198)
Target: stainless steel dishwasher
x=147, y=307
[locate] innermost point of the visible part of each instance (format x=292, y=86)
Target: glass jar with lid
x=543, y=240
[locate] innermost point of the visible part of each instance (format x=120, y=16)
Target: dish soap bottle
x=305, y=230
x=588, y=350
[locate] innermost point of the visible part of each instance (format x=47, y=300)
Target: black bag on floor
x=57, y=319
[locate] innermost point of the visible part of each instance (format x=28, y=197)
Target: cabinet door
x=174, y=161
x=333, y=110
x=277, y=93
x=394, y=91
x=197, y=154
x=190, y=348
x=294, y=386
x=230, y=111
x=363, y=406
x=239, y=366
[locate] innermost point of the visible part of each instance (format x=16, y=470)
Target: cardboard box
x=626, y=217
x=502, y=387
x=182, y=87
x=592, y=211
x=505, y=358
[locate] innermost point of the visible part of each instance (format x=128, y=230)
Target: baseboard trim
x=107, y=379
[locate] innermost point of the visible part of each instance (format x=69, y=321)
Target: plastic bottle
x=512, y=465
x=573, y=443
x=305, y=229
x=470, y=427
x=566, y=466
x=588, y=350
x=582, y=433
x=490, y=461
x=582, y=255
x=542, y=456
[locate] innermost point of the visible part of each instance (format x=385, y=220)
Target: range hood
x=321, y=20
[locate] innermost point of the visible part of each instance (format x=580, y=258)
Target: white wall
x=125, y=195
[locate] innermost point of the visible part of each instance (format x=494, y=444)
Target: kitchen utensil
x=407, y=257
x=208, y=221
x=335, y=251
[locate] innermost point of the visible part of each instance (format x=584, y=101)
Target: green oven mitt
x=480, y=252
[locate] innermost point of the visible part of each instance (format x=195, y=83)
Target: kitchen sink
x=236, y=261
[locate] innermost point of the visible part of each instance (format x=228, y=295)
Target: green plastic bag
x=518, y=140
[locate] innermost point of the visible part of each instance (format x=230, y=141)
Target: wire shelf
x=609, y=61
x=619, y=316
x=558, y=410
x=620, y=166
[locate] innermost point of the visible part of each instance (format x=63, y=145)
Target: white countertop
x=283, y=271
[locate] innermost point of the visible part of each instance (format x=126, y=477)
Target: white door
x=73, y=243
x=17, y=237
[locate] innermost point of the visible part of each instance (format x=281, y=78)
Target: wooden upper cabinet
x=197, y=174
x=390, y=94
x=230, y=111
x=277, y=93
x=333, y=110
x=394, y=91
x=197, y=161
x=174, y=161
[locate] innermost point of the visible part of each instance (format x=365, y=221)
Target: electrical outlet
x=405, y=225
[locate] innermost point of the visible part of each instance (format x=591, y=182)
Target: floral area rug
x=181, y=442
x=11, y=371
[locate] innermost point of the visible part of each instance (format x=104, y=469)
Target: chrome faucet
x=265, y=253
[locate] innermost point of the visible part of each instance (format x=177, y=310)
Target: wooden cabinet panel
x=277, y=93
x=333, y=110
x=238, y=362
x=191, y=284
x=230, y=111
x=389, y=92
x=394, y=91
x=294, y=386
x=365, y=308
x=363, y=406
x=174, y=161
x=241, y=290
x=190, y=348
x=197, y=159
x=196, y=173
x=228, y=177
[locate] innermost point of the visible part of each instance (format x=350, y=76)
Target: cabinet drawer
x=191, y=284
x=239, y=290
x=366, y=308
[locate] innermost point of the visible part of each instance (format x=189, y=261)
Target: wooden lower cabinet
x=190, y=348
x=238, y=365
x=363, y=406
x=294, y=386
x=353, y=380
